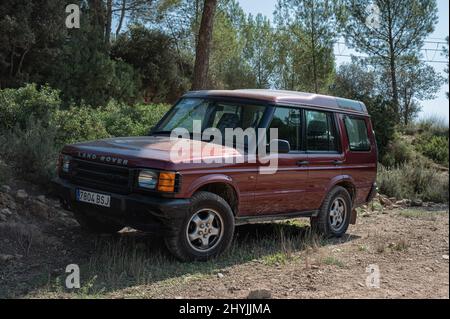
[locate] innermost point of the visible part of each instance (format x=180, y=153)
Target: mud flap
x=353, y=217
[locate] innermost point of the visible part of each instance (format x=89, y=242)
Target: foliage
x=395, y=30
x=18, y=105
x=414, y=180
x=30, y=150
x=398, y=152
x=165, y=74
x=34, y=127
x=434, y=147
x=306, y=35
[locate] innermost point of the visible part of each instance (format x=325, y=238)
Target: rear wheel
x=95, y=226
x=334, y=215
x=206, y=232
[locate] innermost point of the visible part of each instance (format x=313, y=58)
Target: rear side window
x=357, y=134
x=320, y=132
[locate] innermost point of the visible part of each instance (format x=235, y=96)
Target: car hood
x=149, y=151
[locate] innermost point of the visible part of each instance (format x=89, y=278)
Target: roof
x=287, y=98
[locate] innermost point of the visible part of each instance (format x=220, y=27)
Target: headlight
x=148, y=179
x=161, y=181
x=65, y=163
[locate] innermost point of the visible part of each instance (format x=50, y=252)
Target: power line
x=361, y=56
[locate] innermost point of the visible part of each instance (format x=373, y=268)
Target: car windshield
x=212, y=114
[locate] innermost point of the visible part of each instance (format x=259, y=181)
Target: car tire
x=206, y=231
x=95, y=226
x=334, y=215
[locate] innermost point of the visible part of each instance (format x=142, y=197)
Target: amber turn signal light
x=166, y=182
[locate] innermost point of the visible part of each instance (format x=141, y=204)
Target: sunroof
x=351, y=105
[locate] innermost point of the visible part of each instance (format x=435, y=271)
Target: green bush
x=435, y=147
x=414, y=180
x=30, y=151
x=136, y=120
x=17, y=105
x=33, y=127
x=398, y=152
x=78, y=124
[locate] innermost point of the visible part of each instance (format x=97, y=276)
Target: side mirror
x=283, y=146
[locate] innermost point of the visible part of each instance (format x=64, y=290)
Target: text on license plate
x=93, y=198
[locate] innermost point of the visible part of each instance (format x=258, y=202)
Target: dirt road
x=400, y=253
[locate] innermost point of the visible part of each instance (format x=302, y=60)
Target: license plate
x=93, y=198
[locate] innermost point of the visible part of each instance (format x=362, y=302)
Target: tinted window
x=288, y=123
x=357, y=134
x=320, y=132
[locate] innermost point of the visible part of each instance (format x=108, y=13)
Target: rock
x=21, y=195
x=38, y=209
x=385, y=201
x=403, y=202
x=6, y=212
x=259, y=294
x=41, y=198
x=2, y=218
x=417, y=203
x=220, y=275
x=5, y=189
x=6, y=258
x=445, y=257
x=7, y=200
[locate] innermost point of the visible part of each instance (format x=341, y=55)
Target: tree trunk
x=393, y=66
x=204, y=46
x=108, y=21
x=122, y=16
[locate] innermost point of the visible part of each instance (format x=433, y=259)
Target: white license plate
x=93, y=198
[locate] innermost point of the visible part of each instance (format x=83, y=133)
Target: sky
x=437, y=107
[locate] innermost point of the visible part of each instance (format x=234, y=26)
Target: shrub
x=414, y=180
x=30, y=151
x=78, y=124
x=124, y=120
x=17, y=105
x=398, y=152
x=434, y=147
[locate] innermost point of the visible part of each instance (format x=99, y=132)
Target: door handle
x=302, y=163
x=337, y=162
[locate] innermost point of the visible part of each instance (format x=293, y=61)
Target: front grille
x=101, y=176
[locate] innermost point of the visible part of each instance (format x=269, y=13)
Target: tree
x=417, y=82
x=445, y=55
x=394, y=29
x=152, y=53
x=305, y=40
x=258, y=49
x=204, y=46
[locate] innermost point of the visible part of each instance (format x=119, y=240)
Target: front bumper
x=143, y=212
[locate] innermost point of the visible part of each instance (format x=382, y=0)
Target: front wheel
x=334, y=215
x=206, y=232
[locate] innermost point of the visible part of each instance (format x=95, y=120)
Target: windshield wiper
x=160, y=133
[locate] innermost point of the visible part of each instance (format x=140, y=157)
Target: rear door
x=361, y=153
x=284, y=191
x=325, y=156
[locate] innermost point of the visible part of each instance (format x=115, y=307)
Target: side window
x=320, y=132
x=357, y=134
x=288, y=122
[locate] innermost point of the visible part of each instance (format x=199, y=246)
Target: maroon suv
x=326, y=167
